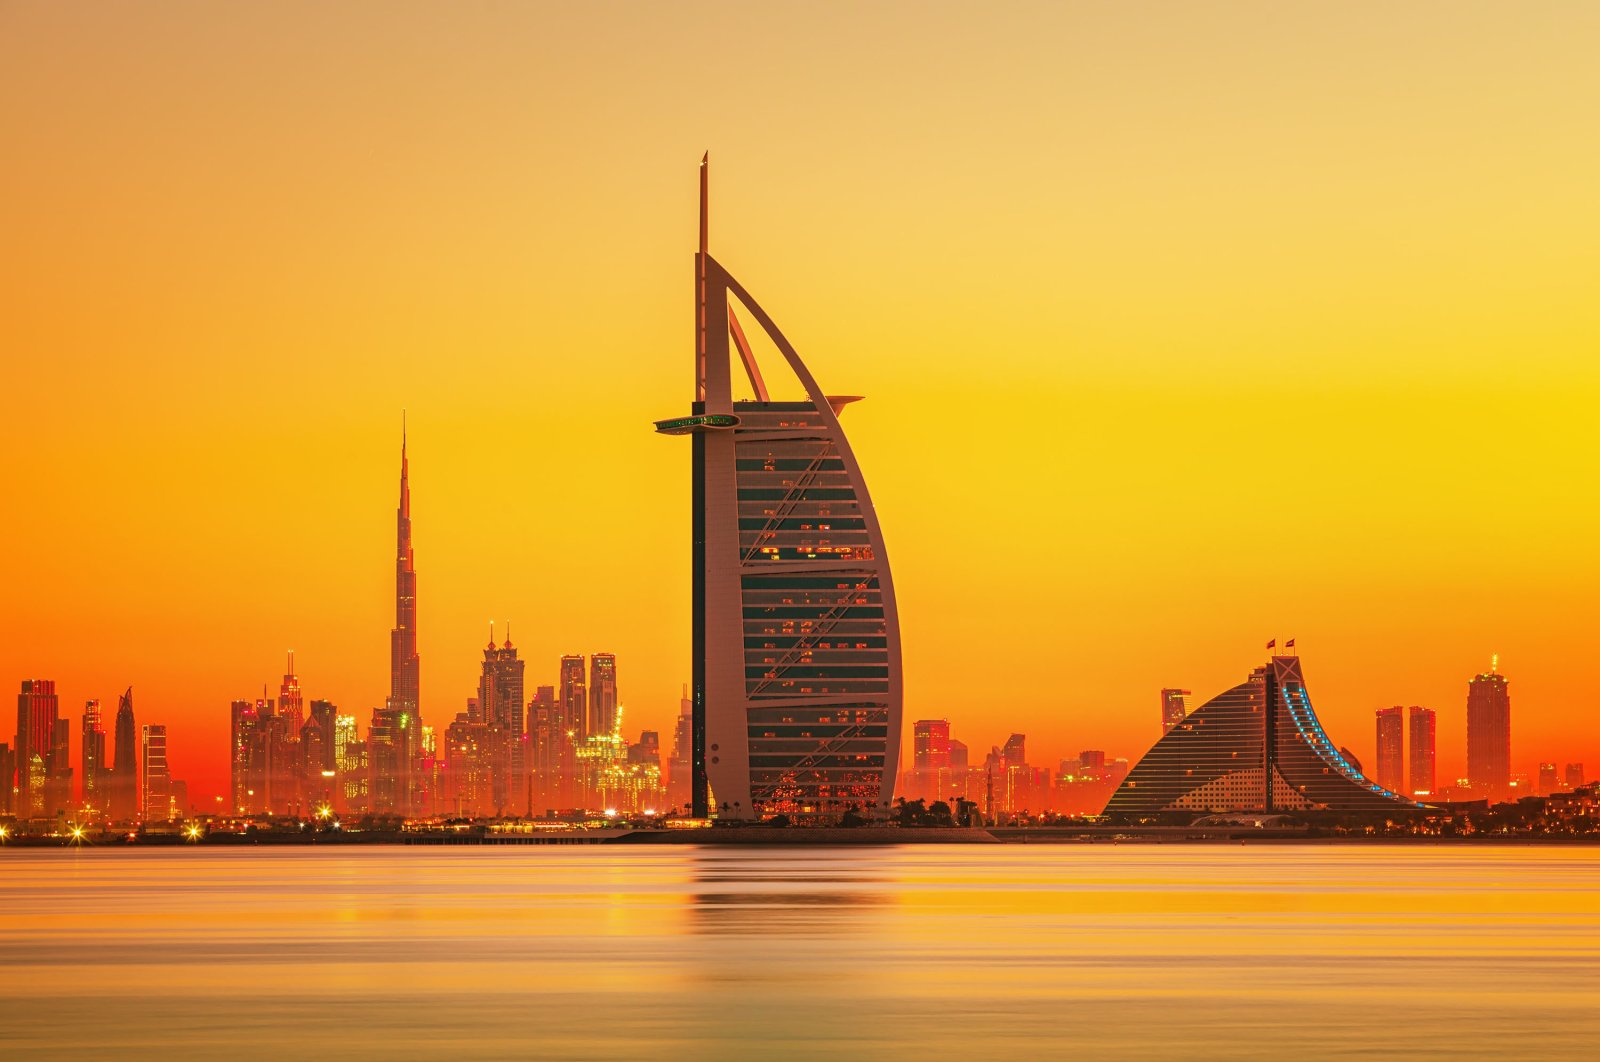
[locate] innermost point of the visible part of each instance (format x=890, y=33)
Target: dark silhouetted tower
x=125, y=800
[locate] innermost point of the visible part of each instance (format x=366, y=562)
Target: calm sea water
x=941, y=952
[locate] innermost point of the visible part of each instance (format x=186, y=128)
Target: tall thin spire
x=402, y=713
x=700, y=279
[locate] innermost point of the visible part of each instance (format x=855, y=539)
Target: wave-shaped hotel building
x=1257, y=747
x=796, y=684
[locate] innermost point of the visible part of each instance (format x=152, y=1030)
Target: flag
x=1289, y=644
x=1272, y=643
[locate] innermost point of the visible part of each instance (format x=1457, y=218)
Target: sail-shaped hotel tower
x=796, y=677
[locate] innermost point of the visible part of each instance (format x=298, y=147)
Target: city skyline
x=1134, y=317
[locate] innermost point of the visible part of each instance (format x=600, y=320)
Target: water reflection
x=781, y=891
x=948, y=952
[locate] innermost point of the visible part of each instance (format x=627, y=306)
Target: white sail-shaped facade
x=797, y=684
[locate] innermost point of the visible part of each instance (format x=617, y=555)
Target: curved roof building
x=796, y=678
x=1256, y=747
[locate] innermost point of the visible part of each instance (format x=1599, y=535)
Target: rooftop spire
x=700, y=279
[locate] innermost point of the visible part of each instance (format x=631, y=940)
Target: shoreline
x=797, y=837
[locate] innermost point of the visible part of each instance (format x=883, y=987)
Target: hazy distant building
x=679, y=769
x=38, y=711
x=154, y=775
x=1257, y=747
x=546, y=738
x=1391, y=749
x=1489, y=734
x=1548, y=779
x=960, y=769
x=574, y=692
x=350, y=761
x=124, y=788
x=291, y=704
x=500, y=686
x=930, y=758
x=317, y=765
x=1573, y=775
x=1424, y=769
x=1173, y=708
x=8, y=777
x=92, y=758
x=243, y=722
x=602, y=693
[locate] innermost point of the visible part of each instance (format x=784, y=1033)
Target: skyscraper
x=796, y=636
x=602, y=693
x=546, y=738
x=1173, y=708
x=680, y=770
x=324, y=717
x=38, y=711
x=574, y=697
x=574, y=730
x=92, y=753
x=1391, y=749
x=350, y=760
x=290, y=704
x=500, y=701
x=125, y=799
x=1572, y=775
x=930, y=744
x=1424, y=782
x=317, y=765
x=1489, y=734
x=8, y=779
x=400, y=728
x=1256, y=747
x=243, y=725
x=930, y=758
x=1547, y=779
x=154, y=778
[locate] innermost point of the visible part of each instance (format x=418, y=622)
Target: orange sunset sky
x=1181, y=326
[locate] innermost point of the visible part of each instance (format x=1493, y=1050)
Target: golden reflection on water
x=958, y=951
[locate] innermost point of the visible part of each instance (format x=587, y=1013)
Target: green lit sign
x=701, y=422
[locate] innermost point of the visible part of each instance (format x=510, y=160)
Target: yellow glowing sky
x=1182, y=326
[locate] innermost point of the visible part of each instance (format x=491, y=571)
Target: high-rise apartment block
x=1489, y=734
x=1173, y=708
x=1423, y=775
x=1391, y=749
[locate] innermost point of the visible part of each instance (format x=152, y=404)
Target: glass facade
x=1223, y=756
x=815, y=630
